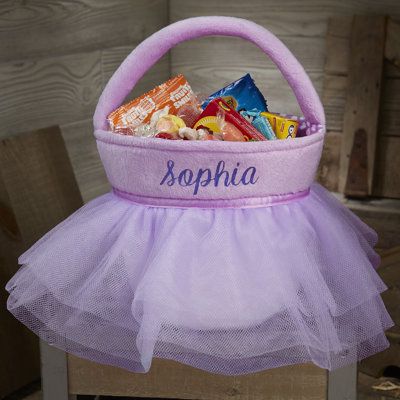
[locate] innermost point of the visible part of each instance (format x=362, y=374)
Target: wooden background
x=56, y=56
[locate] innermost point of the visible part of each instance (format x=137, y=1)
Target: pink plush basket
x=221, y=255
x=202, y=183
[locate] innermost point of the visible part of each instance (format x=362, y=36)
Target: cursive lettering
x=221, y=176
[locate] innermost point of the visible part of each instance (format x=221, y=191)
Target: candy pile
x=237, y=112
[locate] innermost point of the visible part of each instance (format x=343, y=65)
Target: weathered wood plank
x=363, y=96
x=19, y=347
x=43, y=28
x=387, y=168
x=335, y=80
x=328, y=170
x=56, y=90
x=285, y=18
x=61, y=90
x=389, y=119
x=392, y=48
x=168, y=379
x=338, y=45
x=112, y=57
x=236, y=53
x=48, y=193
x=85, y=160
x=334, y=99
x=387, y=174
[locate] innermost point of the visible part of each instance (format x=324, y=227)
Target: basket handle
x=146, y=54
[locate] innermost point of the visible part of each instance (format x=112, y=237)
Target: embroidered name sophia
x=207, y=176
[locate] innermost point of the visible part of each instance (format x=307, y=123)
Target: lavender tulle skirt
x=230, y=291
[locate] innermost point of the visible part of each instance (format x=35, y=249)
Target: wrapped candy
x=242, y=94
x=219, y=117
x=283, y=127
x=174, y=94
x=260, y=123
x=169, y=123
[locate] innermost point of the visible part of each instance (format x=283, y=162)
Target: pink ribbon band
x=249, y=202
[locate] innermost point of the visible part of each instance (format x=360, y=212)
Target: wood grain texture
x=387, y=174
x=392, y=48
x=168, y=379
x=284, y=18
x=56, y=90
x=335, y=80
x=387, y=168
x=42, y=28
x=61, y=90
x=111, y=58
x=363, y=96
x=334, y=99
x=328, y=169
x=85, y=159
x=389, y=118
x=46, y=194
x=358, y=169
x=18, y=346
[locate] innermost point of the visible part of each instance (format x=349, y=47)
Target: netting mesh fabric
x=230, y=291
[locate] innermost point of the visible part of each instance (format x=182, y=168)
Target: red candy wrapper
x=211, y=116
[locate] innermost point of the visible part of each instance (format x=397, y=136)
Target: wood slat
x=61, y=90
x=48, y=193
x=112, y=57
x=392, y=48
x=33, y=29
x=363, y=99
x=285, y=18
x=387, y=174
x=85, y=159
x=334, y=99
x=56, y=90
x=338, y=45
x=168, y=379
x=335, y=80
x=387, y=168
x=219, y=51
x=328, y=170
x=389, y=118
x=18, y=347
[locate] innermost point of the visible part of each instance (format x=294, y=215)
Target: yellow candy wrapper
x=284, y=128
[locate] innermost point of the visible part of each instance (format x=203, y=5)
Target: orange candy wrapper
x=174, y=93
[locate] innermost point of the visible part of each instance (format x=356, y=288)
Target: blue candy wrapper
x=241, y=95
x=260, y=123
